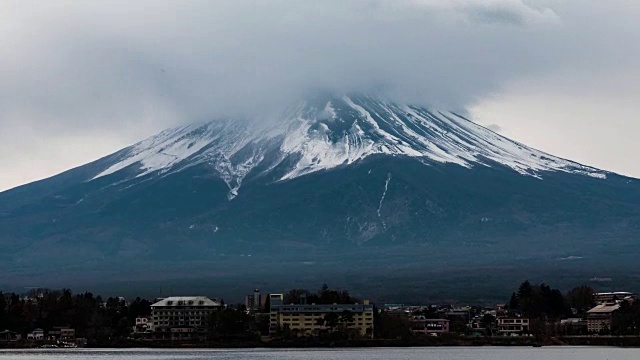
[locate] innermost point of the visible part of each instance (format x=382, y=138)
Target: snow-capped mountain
x=339, y=187
x=315, y=136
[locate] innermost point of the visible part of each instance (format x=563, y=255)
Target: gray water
x=454, y=353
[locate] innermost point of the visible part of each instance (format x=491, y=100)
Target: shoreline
x=567, y=341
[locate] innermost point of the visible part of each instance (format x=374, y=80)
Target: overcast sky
x=82, y=79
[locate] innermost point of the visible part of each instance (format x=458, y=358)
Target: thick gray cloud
x=79, y=79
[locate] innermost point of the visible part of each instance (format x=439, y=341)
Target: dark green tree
x=229, y=322
x=513, y=302
x=539, y=301
x=330, y=320
x=388, y=326
x=488, y=321
x=293, y=296
x=581, y=298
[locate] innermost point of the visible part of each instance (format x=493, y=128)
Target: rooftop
x=604, y=309
x=625, y=293
x=186, y=301
x=293, y=308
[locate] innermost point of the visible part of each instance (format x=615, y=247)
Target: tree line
x=91, y=316
x=323, y=296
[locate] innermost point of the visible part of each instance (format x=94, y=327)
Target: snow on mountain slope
x=316, y=136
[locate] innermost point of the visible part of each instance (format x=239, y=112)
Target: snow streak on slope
x=321, y=135
x=386, y=187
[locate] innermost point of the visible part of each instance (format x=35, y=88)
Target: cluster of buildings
x=63, y=335
x=186, y=318
x=598, y=319
x=445, y=319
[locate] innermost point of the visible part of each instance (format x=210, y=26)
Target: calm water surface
x=457, y=353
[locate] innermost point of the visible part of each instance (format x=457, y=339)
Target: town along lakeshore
x=535, y=315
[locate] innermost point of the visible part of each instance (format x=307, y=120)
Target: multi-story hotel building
x=182, y=317
x=600, y=318
x=309, y=319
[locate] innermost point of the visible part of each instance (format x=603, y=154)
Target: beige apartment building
x=311, y=319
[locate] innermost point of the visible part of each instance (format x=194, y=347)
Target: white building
x=513, y=326
x=37, y=334
x=143, y=325
x=606, y=297
x=188, y=314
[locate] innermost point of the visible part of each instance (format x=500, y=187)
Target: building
x=513, y=326
x=142, y=321
x=461, y=314
x=182, y=317
x=477, y=326
x=255, y=301
x=6, y=336
x=123, y=300
x=574, y=326
x=67, y=334
x=399, y=313
x=459, y=317
x=422, y=325
x=606, y=297
x=143, y=325
x=600, y=318
x=275, y=300
x=62, y=333
x=37, y=334
x=312, y=319
x=393, y=307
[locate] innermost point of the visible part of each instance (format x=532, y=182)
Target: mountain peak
x=402, y=189
x=325, y=132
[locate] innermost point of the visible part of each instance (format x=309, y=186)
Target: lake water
x=454, y=353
